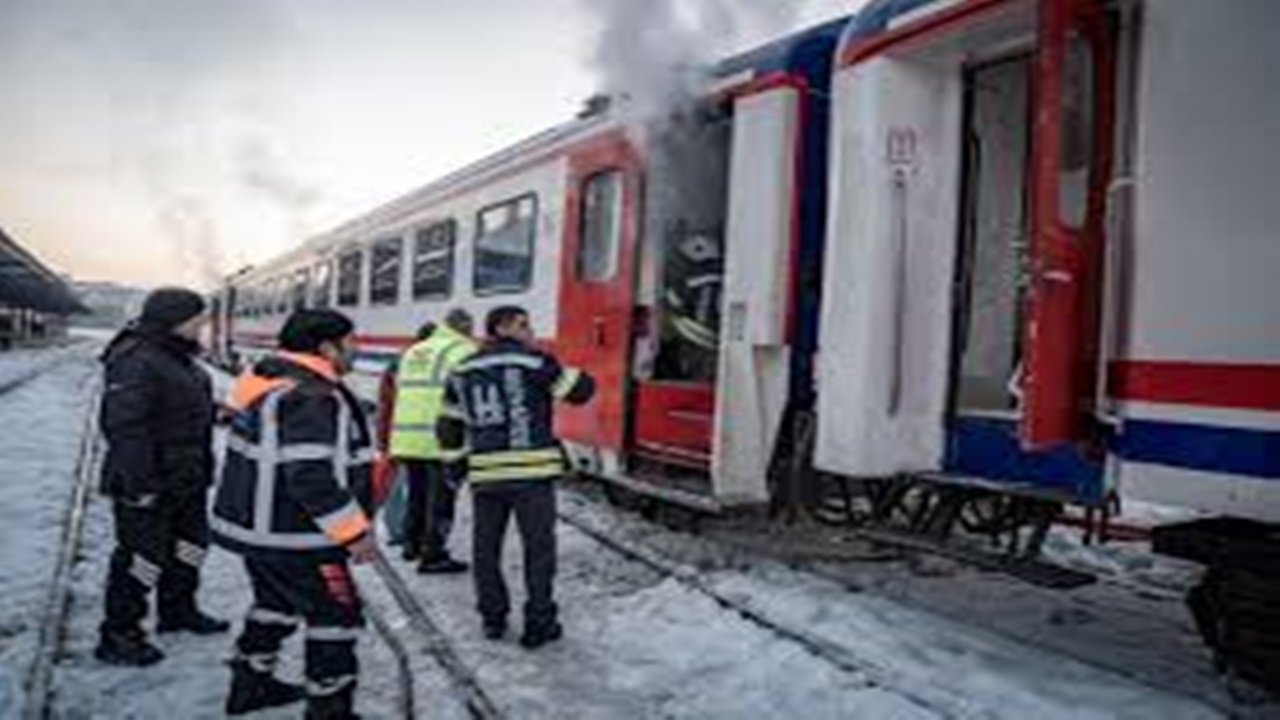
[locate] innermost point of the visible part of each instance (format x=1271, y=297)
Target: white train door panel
x=887, y=304
x=752, y=378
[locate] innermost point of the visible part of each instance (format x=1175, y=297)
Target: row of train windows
x=503, y=264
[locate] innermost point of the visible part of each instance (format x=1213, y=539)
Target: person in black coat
x=157, y=416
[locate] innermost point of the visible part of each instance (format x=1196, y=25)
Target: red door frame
x=595, y=325
x=675, y=420
x=1063, y=304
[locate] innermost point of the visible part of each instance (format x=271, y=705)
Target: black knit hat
x=306, y=330
x=169, y=307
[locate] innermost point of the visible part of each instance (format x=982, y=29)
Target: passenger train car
x=675, y=260
x=959, y=253
x=1052, y=251
x=1018, y=247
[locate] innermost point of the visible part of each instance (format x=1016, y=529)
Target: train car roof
x=804, y=51
x=790, y=53
x=875, y=17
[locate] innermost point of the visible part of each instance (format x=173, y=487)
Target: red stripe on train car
x=1237, y=386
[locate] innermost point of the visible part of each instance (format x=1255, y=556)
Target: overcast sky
x=153, y=141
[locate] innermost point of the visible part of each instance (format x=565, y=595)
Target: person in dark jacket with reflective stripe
x=499, y=406
x=295, y=501
x=157, y=417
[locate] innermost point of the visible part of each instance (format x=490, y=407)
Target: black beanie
x=305, y=330
x=167, y=308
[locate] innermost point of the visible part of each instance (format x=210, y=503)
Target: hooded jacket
x=157, y=415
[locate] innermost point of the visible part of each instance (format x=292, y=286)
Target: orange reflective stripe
x=348, y=527
x=316, y=364
x=249, y=387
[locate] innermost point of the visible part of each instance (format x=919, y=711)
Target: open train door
x=1071, y=169
x=598, y=285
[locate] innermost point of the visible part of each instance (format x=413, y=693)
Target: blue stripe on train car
x=1217, y=449
x=989, y=448
x=809, y=54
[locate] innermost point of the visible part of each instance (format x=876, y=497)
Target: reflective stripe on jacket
x=420, y=379
x=499, y=405
x=296, y=476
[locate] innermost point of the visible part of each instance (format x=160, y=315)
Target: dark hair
x=502, y=316
x=460, y=320
x=425, y=330
x=307, y=329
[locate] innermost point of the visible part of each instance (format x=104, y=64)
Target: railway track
x=478, y=702
x=52, y=626
x=405, y=704
x=871, y=674
x=58, y=360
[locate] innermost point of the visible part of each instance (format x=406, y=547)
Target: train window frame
x=377, y=296
x=322, y=281
x=342, y=299
x=448, y=230
x=300, y=289
x=280, y=294
x=531, y=242
x=610, y=251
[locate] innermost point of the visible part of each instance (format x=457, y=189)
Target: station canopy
x=26, y=283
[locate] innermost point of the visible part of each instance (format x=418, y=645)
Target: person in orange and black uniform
x=157, y=416
x=295, y=501
x=498, y=405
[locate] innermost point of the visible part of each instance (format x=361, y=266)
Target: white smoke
x=657, y=54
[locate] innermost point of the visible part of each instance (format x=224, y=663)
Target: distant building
x=110, y=305
x=35, y=302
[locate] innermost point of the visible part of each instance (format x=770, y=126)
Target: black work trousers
x=534, y=505
x=290, y=591
x=160, y=545
x=433, y=495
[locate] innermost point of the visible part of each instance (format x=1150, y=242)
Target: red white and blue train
x=1024, y=248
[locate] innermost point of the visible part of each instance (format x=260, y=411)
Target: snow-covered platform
x=713, y=634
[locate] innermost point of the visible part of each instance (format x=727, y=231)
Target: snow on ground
x=18, y=364
x=638, y=644
x=193, y=675
x=972, y=672
x=43, y=425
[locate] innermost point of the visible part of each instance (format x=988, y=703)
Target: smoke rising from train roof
x=656, y=54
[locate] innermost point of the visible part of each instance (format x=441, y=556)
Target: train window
x=433, y=261
x=504, y=246
x=384, y=271
x=349, y=270
x=601, y=226
x=301, y=287
x=281, y=296
x=322, y=285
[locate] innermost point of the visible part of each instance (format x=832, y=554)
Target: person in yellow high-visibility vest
x=434, y=475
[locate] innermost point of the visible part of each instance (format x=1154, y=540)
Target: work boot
x=337, y=706
x=255, y=690
x=127, y=647
x=535, y=636
x=442, y=566
x=495, y=630
x=410, y=552
x=193, y=621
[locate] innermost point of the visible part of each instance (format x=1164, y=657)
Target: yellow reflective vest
x=420, y=379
